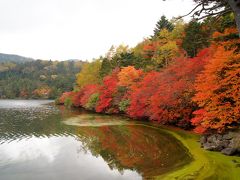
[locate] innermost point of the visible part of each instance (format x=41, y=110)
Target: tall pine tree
x=163, y=23
x=196, y=38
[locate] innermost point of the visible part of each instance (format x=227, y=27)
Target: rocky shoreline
x=228, y=144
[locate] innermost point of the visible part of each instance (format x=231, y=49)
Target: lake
x=39, y=140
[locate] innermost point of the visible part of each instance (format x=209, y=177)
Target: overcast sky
x=81, y=29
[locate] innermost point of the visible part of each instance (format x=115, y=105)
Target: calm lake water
x=41, y=141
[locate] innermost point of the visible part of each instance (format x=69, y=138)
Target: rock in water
x=229, y=151
x=228, y=144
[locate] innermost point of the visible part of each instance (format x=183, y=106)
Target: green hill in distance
x=28, y=78
x=14, y=58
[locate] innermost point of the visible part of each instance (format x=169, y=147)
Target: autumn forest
x=119, y=89
x=185, y=75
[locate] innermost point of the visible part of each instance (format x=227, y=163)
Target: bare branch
x=213, y=14
x=190, y=11
x=207, y=9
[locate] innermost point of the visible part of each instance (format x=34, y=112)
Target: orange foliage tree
x=175, y=87
x=42, y=92
x=128, y=76
x=218, y=93
x=166, y=96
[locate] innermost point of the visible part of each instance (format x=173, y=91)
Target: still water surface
x=41, y=141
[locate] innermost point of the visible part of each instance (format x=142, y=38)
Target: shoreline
x=205, y=164
x=211, y=142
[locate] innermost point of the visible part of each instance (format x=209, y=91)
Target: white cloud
x=84, y=29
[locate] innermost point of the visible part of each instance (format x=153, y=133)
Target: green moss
x=206, y=164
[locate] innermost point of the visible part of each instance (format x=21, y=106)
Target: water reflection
x=43, y=142
x=21, y=104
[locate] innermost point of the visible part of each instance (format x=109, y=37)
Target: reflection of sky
x=22, y=103
x=29, y=149
x=53, y=158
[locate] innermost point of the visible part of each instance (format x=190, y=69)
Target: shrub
x=92, y=101
x=123, y=105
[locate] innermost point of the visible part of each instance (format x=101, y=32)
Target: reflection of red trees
x=144, y=149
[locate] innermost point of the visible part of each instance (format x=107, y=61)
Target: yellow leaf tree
x=89, y=74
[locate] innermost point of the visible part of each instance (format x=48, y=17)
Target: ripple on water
x=24, y=118
x=35, y=144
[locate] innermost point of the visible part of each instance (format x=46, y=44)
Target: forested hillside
x=37, y=79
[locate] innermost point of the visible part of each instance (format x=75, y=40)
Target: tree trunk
x=235, y=5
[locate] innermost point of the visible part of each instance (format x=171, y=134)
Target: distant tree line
x=37, y=78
